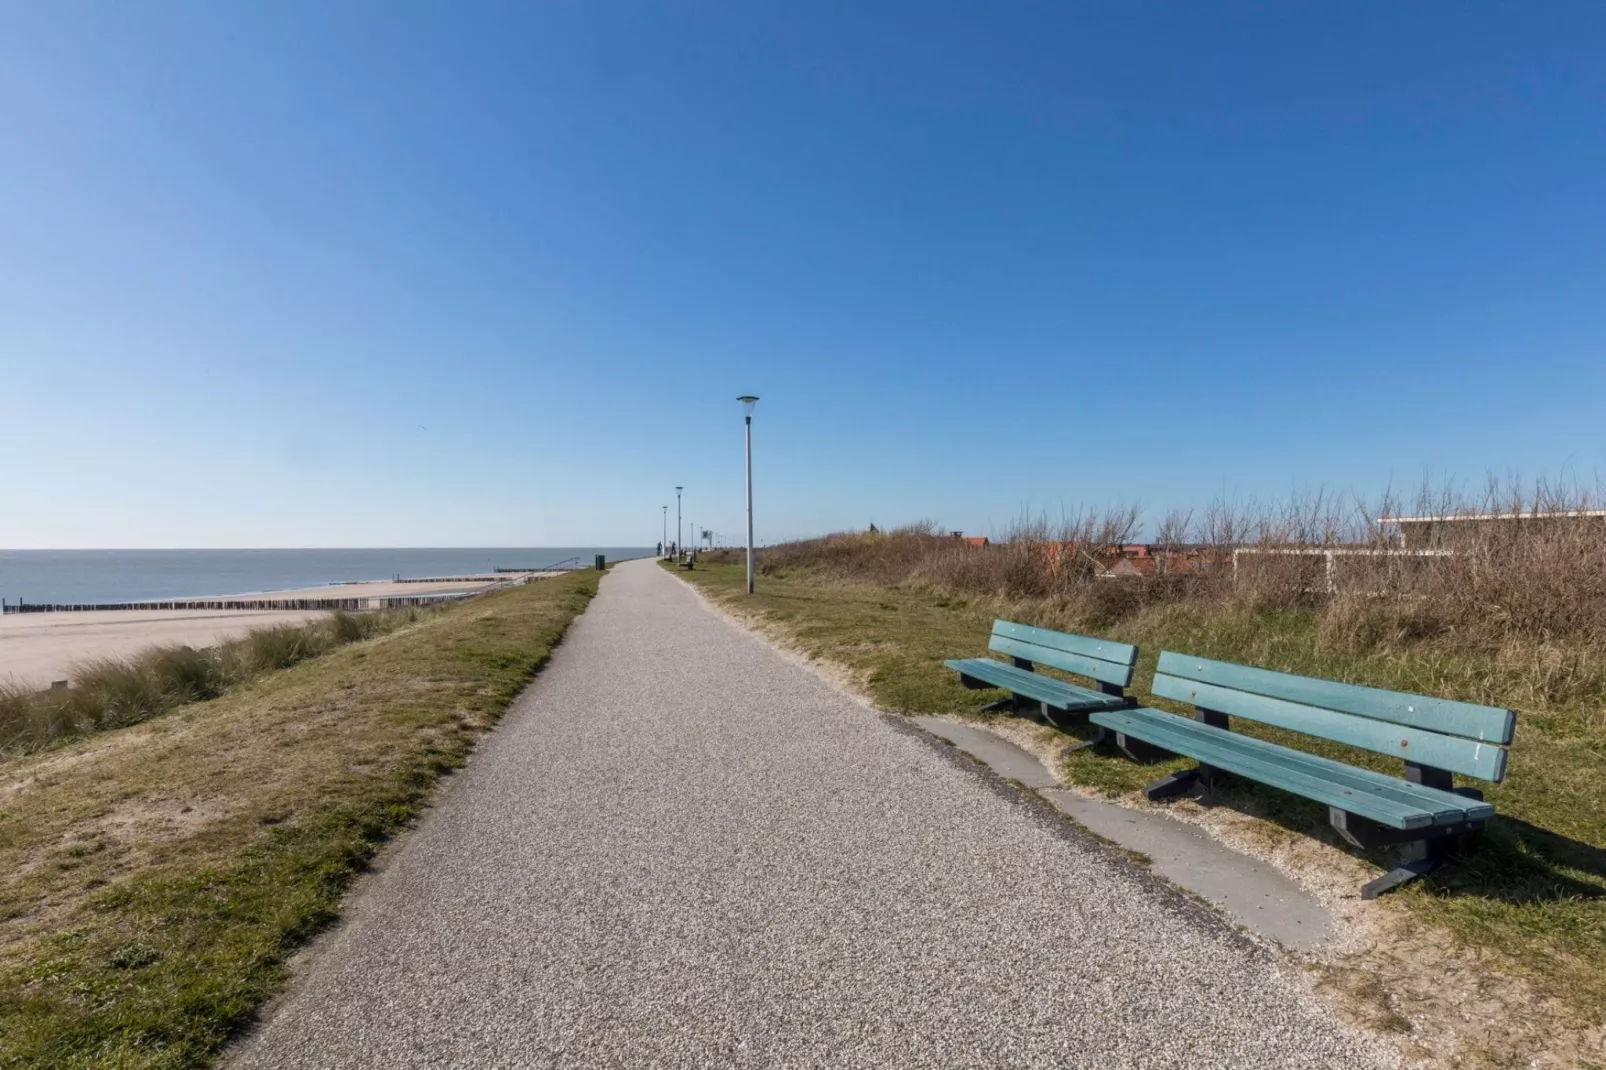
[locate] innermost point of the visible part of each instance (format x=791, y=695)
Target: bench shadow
x=1511, y=861
x=1518, y=862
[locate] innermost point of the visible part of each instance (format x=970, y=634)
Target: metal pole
x=749, y=505
x=663, y=547
x=677, y=521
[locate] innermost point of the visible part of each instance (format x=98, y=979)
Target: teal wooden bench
x=1107, y=664
x=1436, y=737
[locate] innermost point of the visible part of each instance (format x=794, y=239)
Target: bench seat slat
x=1466, y=756
x=1489, y=724
x=1447, y=807
x=1388, y=800
x=1108, y=672
x=1057, y=693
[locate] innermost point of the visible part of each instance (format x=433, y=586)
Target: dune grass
x=113, y=692
x=154, y=878
x=1532, y=894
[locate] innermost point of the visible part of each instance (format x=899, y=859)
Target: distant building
x=1124, y=567
x=1143, y=560
x=1433, y=532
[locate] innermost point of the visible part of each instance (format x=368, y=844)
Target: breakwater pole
x=501, y=572
x=303, y=604
x=350, y=603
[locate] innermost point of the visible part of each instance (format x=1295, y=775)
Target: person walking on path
x=682, y=849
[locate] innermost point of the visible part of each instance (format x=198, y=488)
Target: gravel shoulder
x=681, y=849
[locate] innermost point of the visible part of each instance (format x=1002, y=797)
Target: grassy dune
x=1530, y=902
x=113, y=692
x=155, y=878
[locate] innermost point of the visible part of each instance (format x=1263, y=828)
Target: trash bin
x=602, y=563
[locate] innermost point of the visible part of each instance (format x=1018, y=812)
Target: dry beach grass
x=110, y=692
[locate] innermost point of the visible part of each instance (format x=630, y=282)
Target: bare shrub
x=1011, y=569
x=1521, y=565
x=1532, y=571
x=876, y=557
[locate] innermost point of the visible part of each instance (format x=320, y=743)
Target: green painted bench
x=1107, y=664
x=1436, y=737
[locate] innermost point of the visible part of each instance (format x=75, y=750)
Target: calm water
x=142, y=575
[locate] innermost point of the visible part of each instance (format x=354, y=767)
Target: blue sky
x=313, y=274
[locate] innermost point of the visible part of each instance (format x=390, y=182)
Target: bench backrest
x=1103, y=660
x=1437, y=732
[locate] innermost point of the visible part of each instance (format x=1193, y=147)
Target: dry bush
x=1010, y=570
x=1521, y=580
x=1524, y=575
x=875, y=557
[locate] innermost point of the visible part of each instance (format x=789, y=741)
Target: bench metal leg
x=1425, y=849
x=1422, y=858
x=1139, y=751
x=1020, y=704
x=1063, y=720
x=1184, y=783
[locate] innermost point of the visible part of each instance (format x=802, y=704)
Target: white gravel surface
x=682, y=850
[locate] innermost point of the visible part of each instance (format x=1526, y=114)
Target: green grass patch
x=155, y=878
x=1533, y=892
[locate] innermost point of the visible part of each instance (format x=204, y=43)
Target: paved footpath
x=682, y=850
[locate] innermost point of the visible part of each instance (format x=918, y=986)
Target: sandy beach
x=38, y=648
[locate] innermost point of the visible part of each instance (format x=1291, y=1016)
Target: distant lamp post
x=677, y=519
x=663, y=547
x=748, y=401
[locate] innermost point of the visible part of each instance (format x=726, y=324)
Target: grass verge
x=155, y=878
x=1529, y=902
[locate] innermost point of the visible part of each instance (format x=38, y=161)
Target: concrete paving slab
x=1249, y=890
x=1005, y=758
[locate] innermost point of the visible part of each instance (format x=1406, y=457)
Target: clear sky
x=384, y=273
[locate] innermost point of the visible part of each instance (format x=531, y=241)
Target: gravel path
x=682, y=850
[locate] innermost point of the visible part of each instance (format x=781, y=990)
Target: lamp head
x=748, y=401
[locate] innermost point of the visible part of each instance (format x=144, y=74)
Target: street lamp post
x=748, y=401
x=677, y=519
x=663, y=547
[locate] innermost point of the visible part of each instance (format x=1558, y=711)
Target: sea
x=77, y=576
